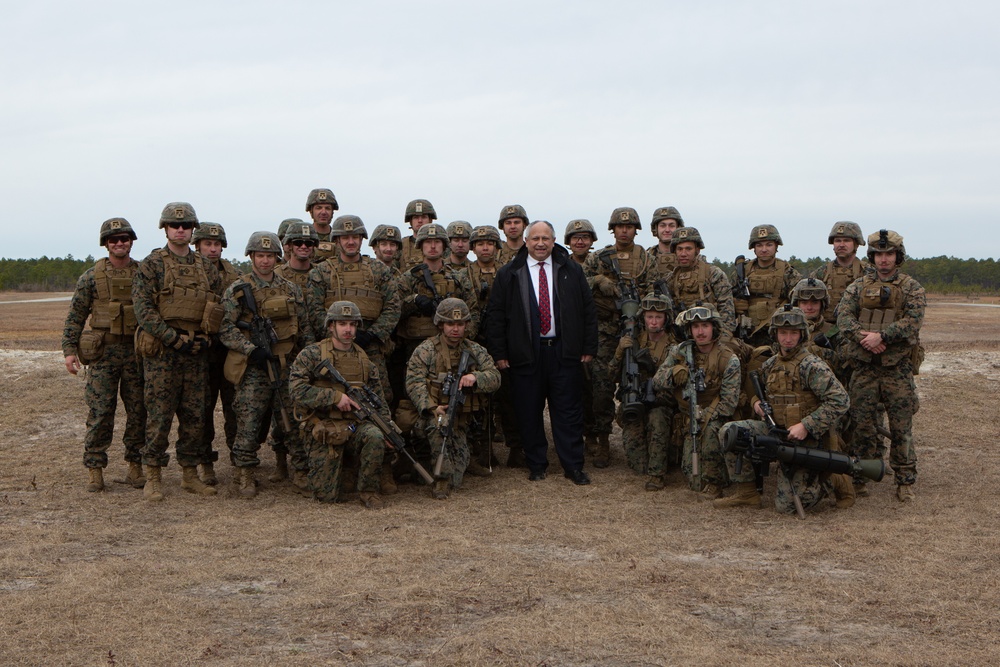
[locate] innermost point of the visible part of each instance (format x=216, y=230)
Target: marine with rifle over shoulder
x=761, y=285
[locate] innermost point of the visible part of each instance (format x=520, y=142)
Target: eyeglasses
x=180, y=225
x=298, y=243
x=125, y=238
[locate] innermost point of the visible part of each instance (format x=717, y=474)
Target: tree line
x=947, y=275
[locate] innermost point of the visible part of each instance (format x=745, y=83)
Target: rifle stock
x=456, y=399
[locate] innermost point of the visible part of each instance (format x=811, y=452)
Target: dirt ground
x=506, y=573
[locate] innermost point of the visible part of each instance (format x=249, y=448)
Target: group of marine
x=363, y=372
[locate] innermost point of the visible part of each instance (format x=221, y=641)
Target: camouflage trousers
x=895, y=390
x=326, y=462
x=175, y=384
x=456, y=453
x=377, y=357
x=646, y=442
x=603, y=385
x=116, y=373
x=711, y=462
x=218, y=388
x=254, y=398
x=810, y=485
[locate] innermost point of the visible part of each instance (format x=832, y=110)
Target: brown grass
x=506, y=573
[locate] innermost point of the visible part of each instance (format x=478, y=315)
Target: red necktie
x=544, y=314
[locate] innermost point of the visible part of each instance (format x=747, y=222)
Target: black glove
x=182, y=343
x=364, y=338
x=424, y=304
x=260, y=357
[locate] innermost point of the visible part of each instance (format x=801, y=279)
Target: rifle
x=630, y=390
x=262, y=335
x=429, y=281
x=370, y=405
x=695, y=385
x=456, y=399
x=778, y=433
x=741, y=291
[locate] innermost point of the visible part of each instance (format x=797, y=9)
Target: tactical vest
x=657, y=350
x=228, y=273
x=836, y=279
x=295, y=276
x=276, y=302
x=881, y=303
x=410, y=255
x=689, y=285
x=663, y=262
x=112, y=309
x=506, y=254
x=790, y=400
x=350, y=364
x=456, y=265
x=419, y=326
x=354, y=281
x=766, y=287
x=186, y=295
x=714, y=363
x=582, y=261
x=632, y=262
x=326, y=248
x=482, y=281
x=446, y=361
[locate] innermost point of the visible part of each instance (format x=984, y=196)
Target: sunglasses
x=180, y=225
x=298, y=243
x=119, y=239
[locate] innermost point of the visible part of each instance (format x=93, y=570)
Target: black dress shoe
x=536, y=476
x=579, y=477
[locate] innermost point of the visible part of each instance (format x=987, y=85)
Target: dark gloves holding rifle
x=364, y=338
x=424, y=304
x=259, y=357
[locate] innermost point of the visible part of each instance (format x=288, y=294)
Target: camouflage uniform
x=326, y=430
x=837, y=277
x=702, y=282
x=104, y=294
x=326, y=247
x=218, y=386
x=506, y=253
x=425, y=373
x=581, y=226
x=415, y=326
x=770, y=289
x=895, y=307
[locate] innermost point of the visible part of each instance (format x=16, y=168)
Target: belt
x=549, y=342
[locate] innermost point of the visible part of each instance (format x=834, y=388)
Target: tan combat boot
x=245, y=482
x=441, y=489
x=152, y=490
x=843, y=491
x=746, y=496
x=590, y=446
x=134, y=476
x=711, y=492
x=191, y=483
x=280, y=473
x=208, y=474
x=655, y=483
x=477, y=470
x=860, y=488
x=300, y=484
x=904, y=492
x=96, y=480
x=602, y=456
x=386, y=482
x=371, y=500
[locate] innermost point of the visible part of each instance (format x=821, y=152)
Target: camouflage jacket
x=235, y=310
x=412, y=284
x=481, y=280
x=319, y=294
x=662, y=263
x=421, y=371
x=80, y=307
x=506, y=254
x=815, y=376
x=706, y=283
x=298, y=276
x=901, y=336
x=837, y=279
x=227, y=272
x=762, y=305
x=722, y=380
x=148, y=283
x=608, y=314
x=304, y=378
x=649, y=356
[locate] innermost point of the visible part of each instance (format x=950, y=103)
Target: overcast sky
x=794, y=113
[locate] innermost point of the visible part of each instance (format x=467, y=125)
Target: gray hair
x=540, y=222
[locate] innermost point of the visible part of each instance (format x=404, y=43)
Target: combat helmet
x=485, y=233
x=386, y=233
x=657, y=301
x=321, y=196
x=342, y=311
x=624, y=215
x=686, y=234
x=420, y=207
x=284, y=225
x=460, y=229
x=666, y=213
x=178, y=211
x=345, y=225
x=700, y=312
x=452, y=310
x=810, y=289
x=431, y=231
x=764, y=233
x=512, y=211
x=580, y=226
x=263, y=242
x=299, y=230
x=209, y=231
x=788, y=317
x=848, y=229
x=115, y=226
x=885, y=240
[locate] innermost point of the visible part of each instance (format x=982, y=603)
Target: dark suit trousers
x=558, y=381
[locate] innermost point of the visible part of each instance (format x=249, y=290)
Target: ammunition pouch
x=406, y=416
x=917, y=357
x=147, y=345
x=91, y=347
x=331, y=432
x=235, y=366
x=211, y=319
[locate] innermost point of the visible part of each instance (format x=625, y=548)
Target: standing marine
x=666, y=220
x=761, y=285
x=844, y=268
x=320, y=205
x=513, y=221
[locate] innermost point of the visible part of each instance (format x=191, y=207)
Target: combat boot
x=96, y=480
x=245, y=482
x=515, y=459
x=441, y=489
x=208, y=474
x=371, y=500
x=476, y=469
x=711, y=492
x=191, y=483
x=590, y=446
x=904, y=492
x=280, y=473
x=843, y=491
x=134, y=477
x=655, y=483
x=746, y=496
x=300, y=484
x=386, y=482
x=860, y=488
x=152, y=490
x=602, y=456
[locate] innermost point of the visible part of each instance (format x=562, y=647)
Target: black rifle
x=262, y=335
x=369, y=411
x=630, y=390
x=741, y=291
x=456, y=399
x=695, y=385
x=429, y=281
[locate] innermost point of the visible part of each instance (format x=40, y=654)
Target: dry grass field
x=506, y=573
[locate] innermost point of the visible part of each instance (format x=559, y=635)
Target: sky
x=796, y=114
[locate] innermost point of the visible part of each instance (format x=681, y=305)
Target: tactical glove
x=182, y=343
x=680, y=375
x=259, y=357
x=424, y=304
x=364, y=338
x=624, y=343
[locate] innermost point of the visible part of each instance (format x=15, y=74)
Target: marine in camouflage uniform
x=433, y=360
x=666, y=220
x=579, y=239
x=811, y=297
x=255, y=369
x=419, y=213
x=104, y=295
x=387, y=243
x=770, y=281
x=459, y=233
x=717, y=401
x=880, y=318
x=513, y=221
x=320, y=205
x=807, y=400
x=209, y=240
x=286, y=248
x=646, y=439
x=330, y=430
x=844, y=268
x=633, y=263
x=176, y=294
x=693, y=280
